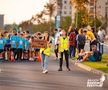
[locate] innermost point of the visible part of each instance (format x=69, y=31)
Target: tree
x=82, y=18
x=66, y=22
x=80, y=4
x=38, y=18
x=81, y=9
x=41, y=27
x=98, y=22
x=49, y=10
x=26, y=25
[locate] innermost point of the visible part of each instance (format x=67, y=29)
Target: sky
x=20, y=10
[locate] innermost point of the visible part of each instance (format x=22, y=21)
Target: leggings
x=19, y=53
x=66, y=58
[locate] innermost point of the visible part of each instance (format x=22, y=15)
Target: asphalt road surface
x=28, y=76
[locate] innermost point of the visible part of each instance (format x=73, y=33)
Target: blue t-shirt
x=13, y=41
x=21, y=43
x=4, y=39
x=27, y=44
x=17, y=38
x=2, y=44
x=8, y=41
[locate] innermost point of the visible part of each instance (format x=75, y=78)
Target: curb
x=90, y=69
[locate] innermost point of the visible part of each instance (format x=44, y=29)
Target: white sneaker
x=45, y=71
x=31, y=59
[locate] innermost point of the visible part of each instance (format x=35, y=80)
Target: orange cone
x=39, y=58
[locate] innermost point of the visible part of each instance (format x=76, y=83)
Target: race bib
x=1, y=42
x=21, y=42
x=13, y=42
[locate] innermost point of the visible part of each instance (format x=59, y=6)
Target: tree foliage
x=66, y=22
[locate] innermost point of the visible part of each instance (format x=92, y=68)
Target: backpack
x=97, y=55
x=81, y=39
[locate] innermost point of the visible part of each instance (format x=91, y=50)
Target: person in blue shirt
x=8, y=43
x=27, y=43
x=20, y=47
x=2, y=43
x=26, y=48
x=13, y=39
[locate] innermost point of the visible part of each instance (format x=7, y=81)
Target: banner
x=39, y=44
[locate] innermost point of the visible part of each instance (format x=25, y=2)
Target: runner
x=20, y=48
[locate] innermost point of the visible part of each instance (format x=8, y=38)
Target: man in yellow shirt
x=90, y=36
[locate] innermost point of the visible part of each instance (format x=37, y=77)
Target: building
x=1, y=21
x=63, y=7
x=98, y=7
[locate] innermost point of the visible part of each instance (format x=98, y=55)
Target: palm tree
x=49, y=10
x=38, y=18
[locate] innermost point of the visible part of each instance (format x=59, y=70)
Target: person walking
x=56, y=43
x=72, y=43
x=45, y=53
x=63, y=49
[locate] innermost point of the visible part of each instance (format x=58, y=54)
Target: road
x=28, y=76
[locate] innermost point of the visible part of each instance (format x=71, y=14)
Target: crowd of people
x=73, y=44
x=18, y=46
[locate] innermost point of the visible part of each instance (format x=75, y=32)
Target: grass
x=99, y=65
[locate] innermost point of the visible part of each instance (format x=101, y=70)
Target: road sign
x=57, y=21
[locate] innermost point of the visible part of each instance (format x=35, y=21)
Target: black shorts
x=13, y=49
x=7, y=46
x=1, y=50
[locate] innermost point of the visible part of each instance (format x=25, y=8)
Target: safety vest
x=64, y=44
x=46, y=51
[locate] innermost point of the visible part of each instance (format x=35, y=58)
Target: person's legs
x=85, y=57
x=73, y=51
x=61, y=61
x=20, y=54
x=67, y=59
x=70, y=50
x=79, y=48
x=101, y=48
x=14, y=50
x=43, y=59
x=56, y=51
x=1, y=53
x=46, y=63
